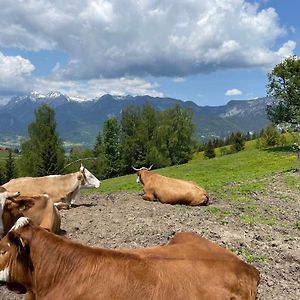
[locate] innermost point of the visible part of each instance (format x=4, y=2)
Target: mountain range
x=79, y=121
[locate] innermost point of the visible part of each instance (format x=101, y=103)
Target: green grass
x=251, y=258
x=292, y=182
x=214, y=174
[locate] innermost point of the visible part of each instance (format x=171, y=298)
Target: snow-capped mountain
x=79, y=119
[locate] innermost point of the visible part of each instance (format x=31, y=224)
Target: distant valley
x=79, y=121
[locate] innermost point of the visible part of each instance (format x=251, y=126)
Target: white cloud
x=161, y=38
x=97, y=87
x=179, y=79
x=16, y=77
x=14, y=71
x=233, y=92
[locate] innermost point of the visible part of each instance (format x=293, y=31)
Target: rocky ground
x=259, y=226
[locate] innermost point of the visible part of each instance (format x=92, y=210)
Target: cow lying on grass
x=188, y=267
x=39, y=208
x=170, y=190
x=62, y=189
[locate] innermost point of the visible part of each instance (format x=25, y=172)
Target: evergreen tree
x=2, y=177
x=269, y=137
x=131, y=147
x=209, y=151
x=98, y=148
x=178, y=131
x=42, y=153
x=111, y=143
x=10, y=166
x=238, y=142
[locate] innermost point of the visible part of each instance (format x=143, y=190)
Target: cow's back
x=56, y=186
x=177, y=191
x=204, y=270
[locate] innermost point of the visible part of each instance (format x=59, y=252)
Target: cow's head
x=88, y=179
x=15, y=263
x=140, y=171
x=4, y=197
x=13, y=210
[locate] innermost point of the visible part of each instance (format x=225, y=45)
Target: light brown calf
x=39, y=208
x=170, y=190
x=189, y=267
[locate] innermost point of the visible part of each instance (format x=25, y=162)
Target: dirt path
x=260, y=229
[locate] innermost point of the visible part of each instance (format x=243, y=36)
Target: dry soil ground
x=262, y=230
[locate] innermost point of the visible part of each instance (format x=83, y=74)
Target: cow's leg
x=62, y=205
x=148, y=197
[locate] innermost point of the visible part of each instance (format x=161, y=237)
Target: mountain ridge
x=79, y=120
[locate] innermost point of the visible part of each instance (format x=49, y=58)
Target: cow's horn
x=135, y=169
x=150, y=168
x=13, y=194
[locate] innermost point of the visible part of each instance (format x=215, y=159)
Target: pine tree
x=238, y=142
x=98, y=147
x=10, y=168
x=131, y=147
x=42, y=153
x=2, y=177
x=270, y=136
x=178, y=130
x=209, y=151
x=111, y=143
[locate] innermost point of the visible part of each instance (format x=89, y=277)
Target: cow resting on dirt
x=170, y=190
x=62, y=189
x=188, y=267
x=39, y=208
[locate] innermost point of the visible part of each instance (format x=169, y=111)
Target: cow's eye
x=2, y=252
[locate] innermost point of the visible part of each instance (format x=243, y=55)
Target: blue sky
x=208, y=51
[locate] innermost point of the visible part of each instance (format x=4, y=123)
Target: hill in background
x=79, y=121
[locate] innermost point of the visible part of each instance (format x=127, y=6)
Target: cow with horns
x=170, y=190
x=61, y=189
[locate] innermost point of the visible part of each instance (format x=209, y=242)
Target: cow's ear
x=25, y=204
x=20, y=242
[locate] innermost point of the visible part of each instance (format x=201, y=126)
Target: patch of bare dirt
x=262, y=230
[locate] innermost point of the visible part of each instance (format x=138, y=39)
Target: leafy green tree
x=238, y=142
x=43, y=152
x=10, y=166
x=284, y=86
x=209, y=151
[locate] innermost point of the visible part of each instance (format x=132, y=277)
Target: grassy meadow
x=251, y=165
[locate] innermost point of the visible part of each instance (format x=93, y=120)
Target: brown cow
x=189, y=267
x=39, y=208
x=62, y=189
x=170, y=190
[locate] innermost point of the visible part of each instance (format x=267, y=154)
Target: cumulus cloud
x=97, y=87
x=233, y=92
x=16, y=77
x=113, y=39
x=14, y=71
